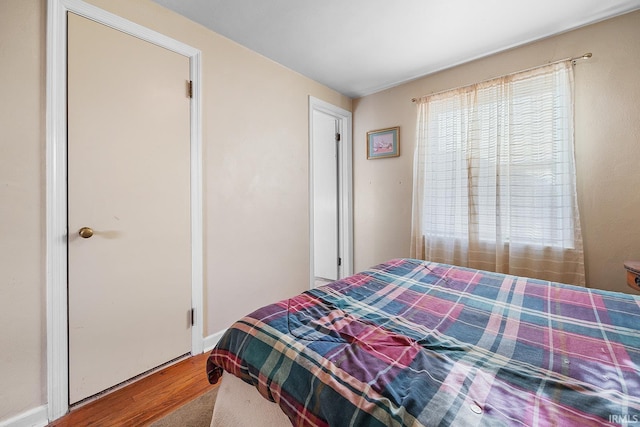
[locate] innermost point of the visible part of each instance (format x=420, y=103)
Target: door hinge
x=190, y=89
x=339, y=261
x=338, y=137
x=193, y=316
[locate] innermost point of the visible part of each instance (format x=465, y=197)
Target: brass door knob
x=85, y=232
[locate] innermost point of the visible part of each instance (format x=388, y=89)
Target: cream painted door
x=325, y=196
x=128, y=180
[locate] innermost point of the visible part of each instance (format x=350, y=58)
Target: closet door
x=128, y=194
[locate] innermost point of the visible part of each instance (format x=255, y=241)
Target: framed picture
x=383, y=143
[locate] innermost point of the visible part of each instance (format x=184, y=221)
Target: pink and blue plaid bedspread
x=413, y=343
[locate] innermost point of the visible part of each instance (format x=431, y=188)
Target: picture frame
x=383, y=143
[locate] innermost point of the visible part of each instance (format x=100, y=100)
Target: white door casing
x=56, y=193
x=343, y=118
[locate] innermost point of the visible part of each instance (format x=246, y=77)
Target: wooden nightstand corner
x=633, y=274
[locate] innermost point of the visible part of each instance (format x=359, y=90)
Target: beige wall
x=255, y=115
x=22, y=292
x=607, y=135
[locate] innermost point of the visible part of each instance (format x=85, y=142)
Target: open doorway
x=330, y=188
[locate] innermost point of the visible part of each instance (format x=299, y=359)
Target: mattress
x=415, y=343
x=239, y=404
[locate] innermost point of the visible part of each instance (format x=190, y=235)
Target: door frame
x=56, y=186
x=345, y=186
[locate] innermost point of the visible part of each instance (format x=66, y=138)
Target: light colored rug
x=196, y=413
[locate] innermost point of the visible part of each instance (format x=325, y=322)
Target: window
x=495, y=176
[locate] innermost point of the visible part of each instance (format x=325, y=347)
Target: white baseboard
x=36, y=417
x=211, y=341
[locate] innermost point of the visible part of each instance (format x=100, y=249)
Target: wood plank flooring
x=146, y=400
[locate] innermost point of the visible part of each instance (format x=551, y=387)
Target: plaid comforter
x=413, y=343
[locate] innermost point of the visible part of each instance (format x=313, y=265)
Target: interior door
x=128, y=181
x=325, y=196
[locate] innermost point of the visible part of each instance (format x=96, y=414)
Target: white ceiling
x=359, y=47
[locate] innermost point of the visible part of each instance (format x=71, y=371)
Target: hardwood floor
x=146, y=400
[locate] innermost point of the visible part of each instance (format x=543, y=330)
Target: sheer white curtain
x=494, y=177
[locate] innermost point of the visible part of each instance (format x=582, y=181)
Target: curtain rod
x=573, y=61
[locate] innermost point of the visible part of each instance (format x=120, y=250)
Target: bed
x=417, y=343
